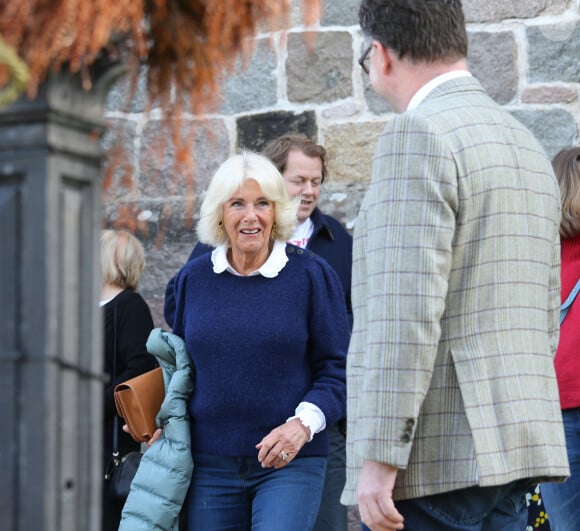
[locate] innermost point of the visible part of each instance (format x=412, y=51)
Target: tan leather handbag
x=138, y=401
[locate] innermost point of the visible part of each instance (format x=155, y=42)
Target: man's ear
x=384, y=59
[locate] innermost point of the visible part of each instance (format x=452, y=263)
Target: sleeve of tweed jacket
x=410, y=216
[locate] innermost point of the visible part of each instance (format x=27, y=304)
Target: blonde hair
x=122, y=259
x=566, y=166
x=229, y=178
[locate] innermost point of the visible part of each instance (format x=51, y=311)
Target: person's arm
x=325, y=402
x=329, y=337
x=410, y=218
x=169, y=303
x=378, y=514
x=134, y=324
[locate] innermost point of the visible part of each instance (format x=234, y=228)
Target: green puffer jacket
x=161, y=483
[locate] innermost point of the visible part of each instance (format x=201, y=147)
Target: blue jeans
x=237, y=494
x=333, y=516
x=562, y=500
x=473, y=509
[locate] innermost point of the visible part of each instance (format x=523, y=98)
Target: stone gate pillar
x=50, y=329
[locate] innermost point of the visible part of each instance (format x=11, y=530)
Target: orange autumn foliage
x=184, y=46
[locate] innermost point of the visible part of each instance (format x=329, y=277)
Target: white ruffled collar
x=269, y=269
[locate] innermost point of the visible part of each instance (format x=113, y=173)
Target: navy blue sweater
x=260, y=347
x=329, y=239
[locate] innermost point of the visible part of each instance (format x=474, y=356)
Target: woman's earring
x=220, y=230
x=273, y=233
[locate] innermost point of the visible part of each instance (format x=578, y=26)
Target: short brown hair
x=566, y=166
x=277, y=150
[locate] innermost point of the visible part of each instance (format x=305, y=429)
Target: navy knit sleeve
x=329, y=332
x=179, y=283
x=169, y=302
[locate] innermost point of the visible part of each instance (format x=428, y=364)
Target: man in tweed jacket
x=452, y=399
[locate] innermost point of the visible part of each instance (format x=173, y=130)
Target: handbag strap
x=568, y=302
x=115, y=416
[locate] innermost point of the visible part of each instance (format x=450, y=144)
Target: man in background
x=302, y=163
x=452, y=399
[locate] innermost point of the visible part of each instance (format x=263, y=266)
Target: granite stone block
x=343, y=13
x=554, y=128
x=497, y=10
x=323, y=74
x=549, y=94
x=553, y=52
x=350, y=148
x=492, y=59
x=253, y=84
x=255, y=131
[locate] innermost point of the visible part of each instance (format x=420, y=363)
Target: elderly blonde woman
x=128, y=322
x=266, y=326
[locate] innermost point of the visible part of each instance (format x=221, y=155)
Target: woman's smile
x=248, y=218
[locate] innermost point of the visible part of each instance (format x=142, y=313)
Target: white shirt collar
x=428, y=87
x=302, y=234
x=269, y=269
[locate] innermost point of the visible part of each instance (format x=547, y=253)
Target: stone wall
x=525, y=52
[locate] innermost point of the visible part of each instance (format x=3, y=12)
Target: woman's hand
x=282, y=444
x=156, y=434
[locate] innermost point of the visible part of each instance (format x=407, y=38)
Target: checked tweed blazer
x=456, y=301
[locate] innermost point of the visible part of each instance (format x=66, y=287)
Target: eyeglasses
x=364, y=60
